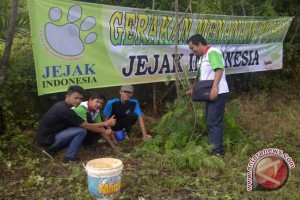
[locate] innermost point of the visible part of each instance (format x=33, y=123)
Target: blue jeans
x=71, y=138
x=214, y=119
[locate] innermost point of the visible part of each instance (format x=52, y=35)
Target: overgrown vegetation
x=155, y=169
x=181, y=136
x=263, y=112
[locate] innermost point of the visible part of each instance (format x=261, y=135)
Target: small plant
x=181, y=136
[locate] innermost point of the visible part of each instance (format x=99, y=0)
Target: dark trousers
x=214, y=119
x=91, y=138
x=126, y=122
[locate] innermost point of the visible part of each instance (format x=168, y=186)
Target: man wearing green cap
x=126, y=110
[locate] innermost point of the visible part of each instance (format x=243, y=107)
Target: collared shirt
x=212, y=60
x=82, y=110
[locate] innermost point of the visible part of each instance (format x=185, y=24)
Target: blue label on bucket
x=104, y=187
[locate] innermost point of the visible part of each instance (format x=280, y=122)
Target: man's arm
x=217, y=63
x=107, y=121
x=107, y=110
x=214, y=89
x=81, y=112
x=100, y=126
x=143, y=128
x=190, y=91
x=94, y=127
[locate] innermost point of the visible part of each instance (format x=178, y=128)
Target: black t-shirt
x=59, y=117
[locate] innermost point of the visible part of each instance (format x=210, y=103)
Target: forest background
x=263, y=112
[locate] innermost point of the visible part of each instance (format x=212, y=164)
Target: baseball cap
x=127, y=88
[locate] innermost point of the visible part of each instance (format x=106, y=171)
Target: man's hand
x=146, y=136
x=189, y=92
x=214, y=93
x=111, y=121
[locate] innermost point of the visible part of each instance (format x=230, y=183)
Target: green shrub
x=181, y=135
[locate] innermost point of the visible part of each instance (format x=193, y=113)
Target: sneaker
x=49, y=153
x=66, y=160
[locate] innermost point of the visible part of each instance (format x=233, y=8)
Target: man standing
x=90, y=112
x=62, y=128
x=211, y=67
x=126, y=111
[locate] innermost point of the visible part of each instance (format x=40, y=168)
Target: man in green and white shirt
x=90, y=111
x=211, y=67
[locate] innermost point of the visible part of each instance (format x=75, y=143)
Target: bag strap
x=199, y=72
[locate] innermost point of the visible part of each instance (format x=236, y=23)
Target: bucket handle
x=84, y=166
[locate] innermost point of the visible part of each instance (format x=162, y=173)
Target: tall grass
x=164, y=168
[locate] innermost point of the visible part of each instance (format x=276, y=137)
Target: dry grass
x=268, y=117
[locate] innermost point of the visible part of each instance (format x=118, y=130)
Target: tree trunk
x=243, y=8
x=9, y=39
x=154, y=91
x=153, y=4
x=176, y=49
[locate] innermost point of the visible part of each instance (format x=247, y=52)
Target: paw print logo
x=65, y=39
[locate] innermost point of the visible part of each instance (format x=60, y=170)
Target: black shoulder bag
x=201, y=89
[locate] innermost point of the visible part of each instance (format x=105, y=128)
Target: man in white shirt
x=211, y=67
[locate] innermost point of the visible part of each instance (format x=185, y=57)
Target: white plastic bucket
x=104, y=177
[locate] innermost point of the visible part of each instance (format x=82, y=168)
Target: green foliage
x=194, y=157
x=175, y=173
x=28, y=171
x=4, y=19
x=151, y=146
x=267, y=9
x=292, y=57
x=175, y=164
x=181, y=135
x=22, y=28
x=19, y=104
x=178, y=125
x=208, y=6
x=233, y=132
x=159, y=4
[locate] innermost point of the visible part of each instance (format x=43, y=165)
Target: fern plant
x=183, y=122
x=181, y=135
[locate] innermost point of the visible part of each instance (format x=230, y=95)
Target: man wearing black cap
x=126, y=110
